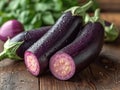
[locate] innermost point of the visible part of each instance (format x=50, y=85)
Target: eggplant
x=10, y=29
x=52, y=39
x=111, y=31
x=78, y=54
x=36, y=56
x=15, y=47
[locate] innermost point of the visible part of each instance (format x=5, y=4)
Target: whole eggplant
x=36, y=57
x=15, y=47
x=78, y=54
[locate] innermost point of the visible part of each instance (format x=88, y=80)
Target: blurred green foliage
x=34, y=13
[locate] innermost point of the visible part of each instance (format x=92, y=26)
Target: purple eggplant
x=10, y=29
x=78, y=54
x=36, y=56
x=14, y=48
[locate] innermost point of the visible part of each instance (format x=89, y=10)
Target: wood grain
x=103, y=74
x=109, y=5
x=112, y=17
x=14, y=76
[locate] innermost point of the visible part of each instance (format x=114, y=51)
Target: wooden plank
x=109, y=1
x=14, y=76
x=109, y=5
x=106, y=71
x=112, y=17
x=80, y=81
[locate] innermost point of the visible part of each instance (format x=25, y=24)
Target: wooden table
x=109, y=5
x=103, y=74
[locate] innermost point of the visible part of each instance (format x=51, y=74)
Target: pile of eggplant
x=65, y=48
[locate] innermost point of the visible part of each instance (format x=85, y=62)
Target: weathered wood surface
x=109, y=5
x=14, y=76
x=103, y=74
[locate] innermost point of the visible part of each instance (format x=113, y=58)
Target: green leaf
x=23, y=17
x=43, y=7
x=69, y=3
x=48, y=18
x=36, y=22
x=58, y=5
x=13, y=5
x=26, y=16
x=5, y=17
x=56, y=15
x=28, y=27
x=26, y=11
x=2, y=4
x=25, y=4
x=93, y=7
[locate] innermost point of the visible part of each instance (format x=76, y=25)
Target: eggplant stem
x=80, y=10
x=111, y=32
x=95, y=18
x=97, y=13
x=3, y=55
x=10, y=49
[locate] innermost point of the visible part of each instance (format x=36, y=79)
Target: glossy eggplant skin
x=92, y=49
x=67, y=39
x=80, y=53
x=28, y=38
x=66, y=23
x=89, y=33
x=86, y=46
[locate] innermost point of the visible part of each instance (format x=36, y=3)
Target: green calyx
x=95, y=18
x=111, y=32
x=10, y=49
x=80, y=10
